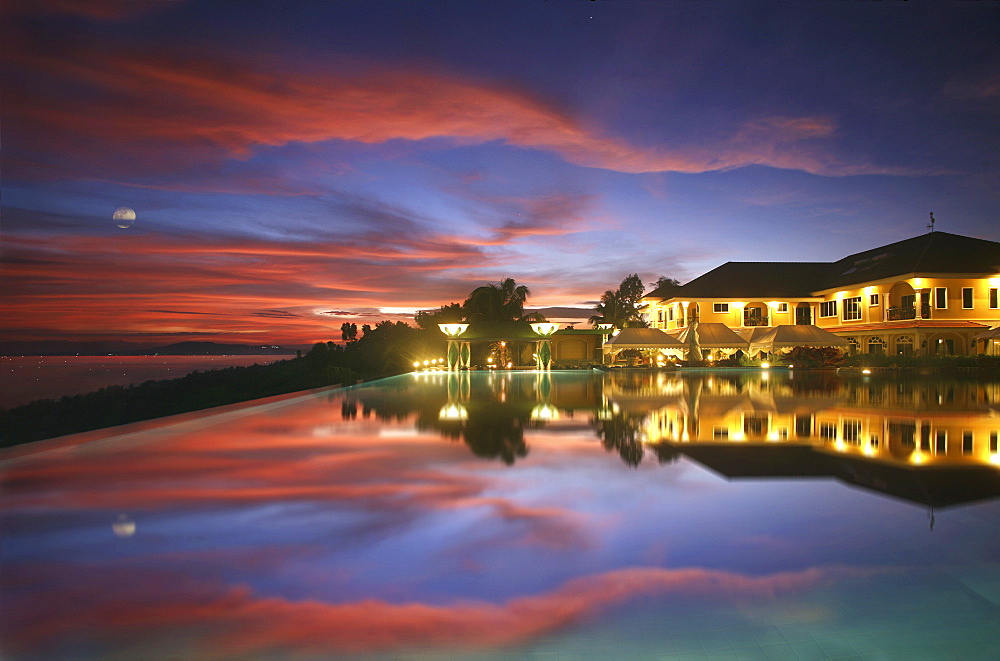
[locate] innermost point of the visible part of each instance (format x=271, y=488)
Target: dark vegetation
x=982, y=362
x=388, y=348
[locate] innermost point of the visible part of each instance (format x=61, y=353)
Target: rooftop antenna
x=930, y=225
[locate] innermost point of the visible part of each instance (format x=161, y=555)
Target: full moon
x=123, y=217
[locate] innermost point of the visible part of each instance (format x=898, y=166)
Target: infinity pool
x=510, y=515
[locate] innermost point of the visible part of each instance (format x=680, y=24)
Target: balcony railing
x=908, y=312
x=755, y=321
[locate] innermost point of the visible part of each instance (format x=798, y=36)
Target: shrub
x=815, y=357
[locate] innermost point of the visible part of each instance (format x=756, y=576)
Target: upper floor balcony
x=908, y=312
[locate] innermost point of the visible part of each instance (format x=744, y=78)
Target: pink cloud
x=225, y=622
x=207, y=105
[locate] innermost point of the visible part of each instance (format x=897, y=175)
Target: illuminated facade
x=929, y=295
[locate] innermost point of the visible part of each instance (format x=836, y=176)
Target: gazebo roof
x=643, y=338
x=714, y=336
x=803, y=335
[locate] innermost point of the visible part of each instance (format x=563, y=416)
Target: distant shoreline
x=45, y=349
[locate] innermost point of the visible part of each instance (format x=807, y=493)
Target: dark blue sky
x=296, y=164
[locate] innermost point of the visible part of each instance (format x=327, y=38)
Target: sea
x=27, y=378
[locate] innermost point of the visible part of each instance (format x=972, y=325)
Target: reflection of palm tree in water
x=496, y=431
x=621, y=433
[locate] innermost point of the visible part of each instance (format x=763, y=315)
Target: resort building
x=934, y=294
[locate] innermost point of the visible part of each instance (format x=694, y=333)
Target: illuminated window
x=720, y=308
x=966, y=298
x=993, y=298
x=720, y=432
x=828, y=309
x=755, y=425
x=941, y=442
x=872, y=299
x=828, y=431
x=803, y=426
x=852, y=308
x=782, y=307
x=941, y=298
x=851, y=430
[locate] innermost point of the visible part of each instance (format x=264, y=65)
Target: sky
x=296, y=165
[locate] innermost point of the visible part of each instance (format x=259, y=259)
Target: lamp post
x=545, y=329
x=458, y=356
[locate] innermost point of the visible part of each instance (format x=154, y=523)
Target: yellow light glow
x=416, y=363
x=918, y=457
x=545, y=412
x=994, y=459
x=545, y=327
x=453, y=330
x=918, y=282
x=765, y=365
x=866, y=371
x=453, y=411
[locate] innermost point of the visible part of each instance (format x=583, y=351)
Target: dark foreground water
x=633, y=515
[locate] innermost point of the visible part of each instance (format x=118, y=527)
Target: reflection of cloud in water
x=234, y=620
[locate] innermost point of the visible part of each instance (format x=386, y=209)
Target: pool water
x=628, y=515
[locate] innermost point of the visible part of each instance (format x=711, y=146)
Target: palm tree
x=502, y=301
x=614, y=309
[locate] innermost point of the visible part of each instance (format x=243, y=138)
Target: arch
x=876, y=344
x=946, y=344
x=755, y=314
x=902, y=302
x=904, y=345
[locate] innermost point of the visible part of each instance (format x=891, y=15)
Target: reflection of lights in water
x=866, y=371
x=123, y=217
x=545, y=412
x=453, y=412
x=124, y=526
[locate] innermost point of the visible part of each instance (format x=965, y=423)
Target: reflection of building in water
x=930, y=442
x=952, y=423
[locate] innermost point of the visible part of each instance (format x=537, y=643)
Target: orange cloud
x=233, y=622
x=206, y=103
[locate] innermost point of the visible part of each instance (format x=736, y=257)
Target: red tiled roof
x=910, y=323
